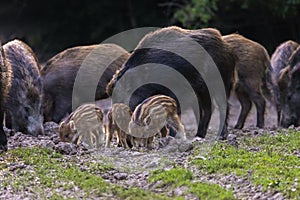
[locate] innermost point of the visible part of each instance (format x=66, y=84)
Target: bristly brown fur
x=254, y=77
x=5, y=84
x=25, y=94
x=280, y=61
x=59, y=74
x=289, y=95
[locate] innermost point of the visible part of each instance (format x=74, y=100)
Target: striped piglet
x=118, y=120
x=84, y=124
x=154, y=115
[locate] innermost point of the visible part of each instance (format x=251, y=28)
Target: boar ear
x=72, y=125
x=62, y=124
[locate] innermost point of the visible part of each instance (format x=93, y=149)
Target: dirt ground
x=133, y=172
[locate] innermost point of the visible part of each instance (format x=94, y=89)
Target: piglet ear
x=62, y=124
x=72, y=125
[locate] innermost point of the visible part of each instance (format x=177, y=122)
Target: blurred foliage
x=52, y=26
x=269, y=22
x=198, y=13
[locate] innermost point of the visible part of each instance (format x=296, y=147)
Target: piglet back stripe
x=155, y=105
x=87, y=112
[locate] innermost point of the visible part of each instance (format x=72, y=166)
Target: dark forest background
x=52, y=26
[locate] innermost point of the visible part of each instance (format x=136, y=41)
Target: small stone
x=257, y=196
x=120, y=176
x=185, y=146
x=164, y=141
x=180, y=191
x=231, y=137
x=136, y=153
x=15, y=166
x=291, y=127
x=47, y=144
x=66, y=148
x=105, y=176
x=55, y=139
x=152, y=164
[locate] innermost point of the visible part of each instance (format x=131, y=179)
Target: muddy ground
x=134, y=171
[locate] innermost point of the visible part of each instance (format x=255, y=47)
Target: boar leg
x=3, y=139
x=205, y=114
x=129, y=140
x=164, y=132
x=8, y=121
x=122, y=138
x=109, y=133
x=150, y=142
x=260, y=104
x=245, y=106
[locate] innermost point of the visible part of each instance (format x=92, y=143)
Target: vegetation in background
x=52, y=26
x=197, y=14
x=268, y=22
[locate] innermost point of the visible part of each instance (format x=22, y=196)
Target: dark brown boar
x=209, y=39
x=5, y=84
x=59, y=74
x=289, y=90
x=23, y=106
x=279, y=61
x=254, y=77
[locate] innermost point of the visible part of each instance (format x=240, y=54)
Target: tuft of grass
x=270, y=161
x=174, y=176
x=177, y=177
x=96, y=167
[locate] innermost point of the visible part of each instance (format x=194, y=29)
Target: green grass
x=53, y=171
x=177, y=177
x=270, y=161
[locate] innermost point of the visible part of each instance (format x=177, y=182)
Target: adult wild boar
x=5, y=84
x=279, y=61
x=175, y=38
x=24, y=101
x=59, y=75
x=254, y=77
x=289, y=89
